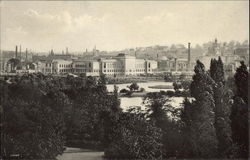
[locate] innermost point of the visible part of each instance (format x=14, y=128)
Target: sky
x=116, y=25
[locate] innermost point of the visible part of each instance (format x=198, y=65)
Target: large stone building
x=121, y=65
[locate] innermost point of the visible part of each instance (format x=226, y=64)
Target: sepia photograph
x=124, y=80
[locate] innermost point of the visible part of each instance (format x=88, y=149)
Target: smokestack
x=175, y=63
x=189, y=56
x=20, y=52
x=26, y=54
x=52, y=52
x=157, y=57
x=16, y=52
x=67, y=51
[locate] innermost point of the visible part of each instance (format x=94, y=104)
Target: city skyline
x=118, y=25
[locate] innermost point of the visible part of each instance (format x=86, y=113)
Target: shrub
x=124, y=90
x=142, y=89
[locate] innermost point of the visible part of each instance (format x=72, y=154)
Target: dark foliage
x=239, y=114
x=134, y=137
x=222, y=108
x=198, y=118
x=32, y=117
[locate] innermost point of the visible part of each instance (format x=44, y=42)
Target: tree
x=162, y=115
x=202, y=140
x=134, y=138
x=155, y=102
x=239, y=113
x=133, y=87
x=217, y=71
x=241, y=81
x=222, y=108
x=32, y=118
x=177, y=86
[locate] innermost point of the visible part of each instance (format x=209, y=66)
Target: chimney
x=20, y=56
x=175, y=64
x=52, y=52
x=16, y=52
x=189, y=56
x=26, y=55
x=67, y=51
x=157, y=57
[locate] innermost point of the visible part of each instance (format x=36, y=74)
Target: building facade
x=121, y=65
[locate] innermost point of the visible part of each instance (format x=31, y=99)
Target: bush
x=124, y=90
x=142, y=90
x=133, y=87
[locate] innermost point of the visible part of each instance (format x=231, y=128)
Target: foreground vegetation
x=42, y=114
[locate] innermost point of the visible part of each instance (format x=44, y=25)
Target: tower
x=26, y=55
x=16, y=52
x=94, y=51
x=189, y=56
x=20, y=52
x=52, y=52
x=67, y=51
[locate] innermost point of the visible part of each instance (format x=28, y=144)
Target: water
x=144, y=85
x=126, y=102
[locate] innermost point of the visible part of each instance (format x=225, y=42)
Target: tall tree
x=239, y=113
x=222, y=110
x=217, y=70
x=241, y=81
x=202, y=136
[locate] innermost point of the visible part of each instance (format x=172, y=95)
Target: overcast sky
x=115, y=25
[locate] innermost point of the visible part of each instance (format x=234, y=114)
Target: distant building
x=230, y=60
x=176, y=64
x=124, y=65
x=87, y=67
x=121, y=65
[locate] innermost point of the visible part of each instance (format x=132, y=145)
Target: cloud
x=117, y=25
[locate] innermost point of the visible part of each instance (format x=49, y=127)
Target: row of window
x=137, y=70
x=80, y=65
x=65, y=70
x=111, y=65
x=85, y=70
x=115, y=70
x=65, y=65
x=48, y=64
